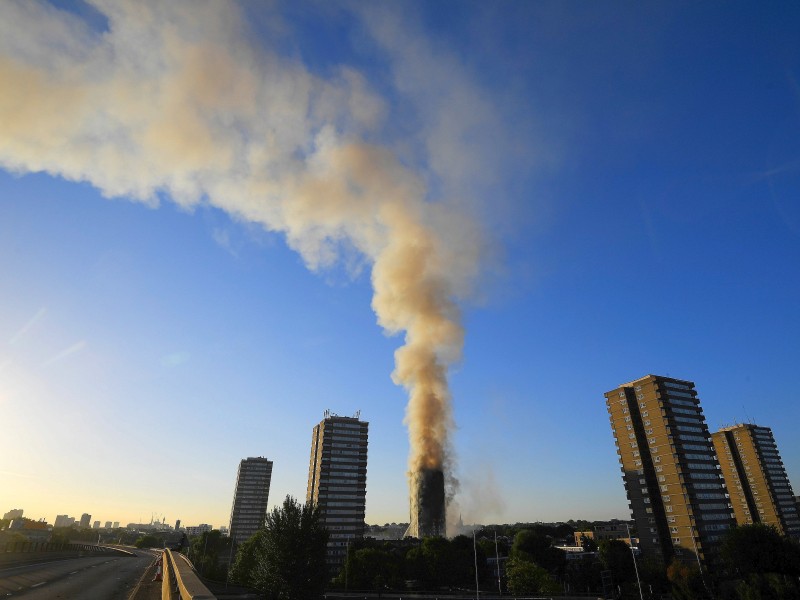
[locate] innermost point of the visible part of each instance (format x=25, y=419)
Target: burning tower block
x=427, y=504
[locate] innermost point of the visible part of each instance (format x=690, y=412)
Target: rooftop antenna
x=746, y=416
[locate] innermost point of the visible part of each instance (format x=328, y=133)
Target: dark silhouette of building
x=250, y=498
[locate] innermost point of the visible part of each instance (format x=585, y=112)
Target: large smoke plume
x=181, y=101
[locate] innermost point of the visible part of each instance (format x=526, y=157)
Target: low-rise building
x=192, y=531
x=34, y=531
x=610, y=530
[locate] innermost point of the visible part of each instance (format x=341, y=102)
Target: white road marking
x=38, y=584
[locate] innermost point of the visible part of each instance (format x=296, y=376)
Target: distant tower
x=177, y=525
x=337, y=480
x=63, y=521
x=671, y=472
x=250, y=498
x=14, y=513
x=86, y=520
x=757, y=482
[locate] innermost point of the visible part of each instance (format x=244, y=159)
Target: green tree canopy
x=588, y=544
x=149, y=541
x=686, y=581
x=616, y=556
x=525, y=577
x=371, y=569
x=207, y=550
x=758, y=548
x=760, y=563
x=533, y=545
x=286, y=559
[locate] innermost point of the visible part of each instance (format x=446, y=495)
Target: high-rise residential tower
x=250, y=498
x=337, y=480
x=86, y=520
x=64, y=521
x=757, y=482
x=672, y=476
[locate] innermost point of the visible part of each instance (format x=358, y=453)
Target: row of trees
x=435, y=563
x=285, y=560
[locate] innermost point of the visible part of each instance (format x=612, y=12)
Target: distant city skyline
x=219, y=221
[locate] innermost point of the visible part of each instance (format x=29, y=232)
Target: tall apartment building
x=86, y=519
x=337, y=480
x=250, y=498
x=756, y=479
x=672, y=476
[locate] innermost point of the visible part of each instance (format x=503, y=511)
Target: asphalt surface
x=87, y=578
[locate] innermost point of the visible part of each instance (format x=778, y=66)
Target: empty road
x=89, y=578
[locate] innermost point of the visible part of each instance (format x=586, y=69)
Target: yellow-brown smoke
x=173, y=101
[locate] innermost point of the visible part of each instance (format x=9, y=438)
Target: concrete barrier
x=180, y=580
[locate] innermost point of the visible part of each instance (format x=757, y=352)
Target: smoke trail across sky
x=182, y=101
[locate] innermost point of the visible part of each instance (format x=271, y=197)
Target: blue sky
x=634, y=171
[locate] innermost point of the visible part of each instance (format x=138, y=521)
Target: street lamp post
x=636, y=568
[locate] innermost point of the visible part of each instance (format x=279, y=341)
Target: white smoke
x=176, y=100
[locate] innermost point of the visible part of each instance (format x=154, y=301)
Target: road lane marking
x=73, y=572
x=38, y=584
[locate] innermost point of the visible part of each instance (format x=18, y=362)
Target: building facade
x=610, y=530
x=194, y=530
x=250, y=498
x=14, y=513
x=337, y=481
x=756, y=478
x=64, y=521
x=672, y=477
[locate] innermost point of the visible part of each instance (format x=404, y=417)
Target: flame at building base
x=428, y=516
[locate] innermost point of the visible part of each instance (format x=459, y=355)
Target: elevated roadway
x=94, y=576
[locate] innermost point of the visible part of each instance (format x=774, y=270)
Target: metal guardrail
x=180, y=582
